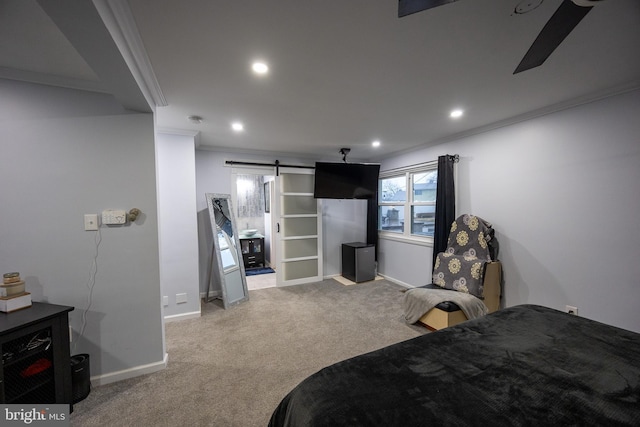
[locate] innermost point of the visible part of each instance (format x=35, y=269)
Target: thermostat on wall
x=114, y=217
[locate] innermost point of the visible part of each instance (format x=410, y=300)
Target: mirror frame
x=215, y=203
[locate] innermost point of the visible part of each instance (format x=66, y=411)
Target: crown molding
x=530, y=115
x=119, y=20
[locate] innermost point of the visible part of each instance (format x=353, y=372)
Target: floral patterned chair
x=469, y=265
x=470, y=246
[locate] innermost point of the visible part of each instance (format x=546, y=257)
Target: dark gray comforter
x=525, y=365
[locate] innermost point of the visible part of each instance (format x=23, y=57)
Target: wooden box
x=437, y=319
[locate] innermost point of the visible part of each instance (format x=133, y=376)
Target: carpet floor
x=232, y=367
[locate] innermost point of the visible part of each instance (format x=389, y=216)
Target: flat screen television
x=346, y=180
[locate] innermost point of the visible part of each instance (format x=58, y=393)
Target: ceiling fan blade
x=407, y=7
x=554, y=32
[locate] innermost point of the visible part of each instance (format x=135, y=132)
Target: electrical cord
x=36, y=342
x=91, y=282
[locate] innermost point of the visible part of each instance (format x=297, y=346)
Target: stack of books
x=12, y=294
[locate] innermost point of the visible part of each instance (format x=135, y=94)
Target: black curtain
x=372, y=223
x=445, y=204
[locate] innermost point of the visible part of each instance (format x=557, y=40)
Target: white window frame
x=407, y=172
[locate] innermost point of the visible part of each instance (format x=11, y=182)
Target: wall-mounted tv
x=346, y=180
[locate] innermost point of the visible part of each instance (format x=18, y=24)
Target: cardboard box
x=15, y=302
x=436, y=319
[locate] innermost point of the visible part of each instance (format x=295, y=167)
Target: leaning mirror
x=226, y=259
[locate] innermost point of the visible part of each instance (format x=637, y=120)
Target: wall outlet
x=571, y=309
x=165, y=300
x=90, y=222
x=181, y=298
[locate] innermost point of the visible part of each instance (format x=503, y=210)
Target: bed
x=524, y=365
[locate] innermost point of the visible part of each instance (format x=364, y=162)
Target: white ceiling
x=343, y=73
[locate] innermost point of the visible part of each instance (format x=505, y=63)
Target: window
x=408, y=213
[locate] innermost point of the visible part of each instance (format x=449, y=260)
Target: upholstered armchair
x=466, y=281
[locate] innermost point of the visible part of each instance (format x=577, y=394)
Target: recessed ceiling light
x=260, y=68
x=237, y=126
x=195, y=119
x=456, y=114
x=375, y=143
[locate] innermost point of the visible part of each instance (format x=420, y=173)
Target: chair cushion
x=456, y=273
x=461, y=267
x=470, y=236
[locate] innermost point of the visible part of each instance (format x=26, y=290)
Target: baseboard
x=125, y=374
x=390, y=279
x=182, y=316
x=212, y=294
x=396, y=281
x=346, y=282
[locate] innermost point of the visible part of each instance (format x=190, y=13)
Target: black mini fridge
x=359, y=261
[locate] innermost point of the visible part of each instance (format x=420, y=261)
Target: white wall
x=563, y=194
x=23, y=100
x=56, y=168
x=178, y=228
x=343, y=221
